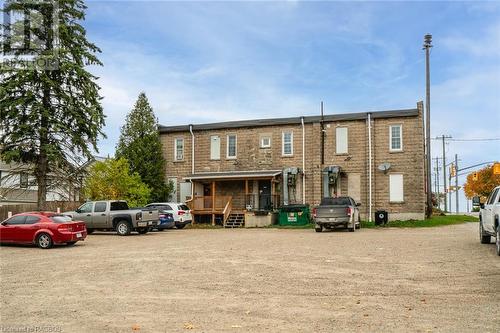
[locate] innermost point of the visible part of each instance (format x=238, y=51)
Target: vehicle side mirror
x=358, y=204
x=4, y=223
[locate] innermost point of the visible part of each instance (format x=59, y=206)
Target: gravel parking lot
x=255, y=280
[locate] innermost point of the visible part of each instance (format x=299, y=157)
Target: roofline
x=233, y=174
x=290, y=120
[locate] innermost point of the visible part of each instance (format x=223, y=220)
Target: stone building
x=247, y=168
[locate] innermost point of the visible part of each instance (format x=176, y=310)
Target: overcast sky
x=204, y=62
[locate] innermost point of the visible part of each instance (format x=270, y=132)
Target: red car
x=41, y=228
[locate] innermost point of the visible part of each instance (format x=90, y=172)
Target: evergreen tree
x=140, y=144
x=50, y=115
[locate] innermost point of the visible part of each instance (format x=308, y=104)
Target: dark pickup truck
x=335, y=212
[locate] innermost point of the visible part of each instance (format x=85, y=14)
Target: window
x=215, y=147
x=183, y=207
x=85, y=208
x=164, y=207
x=100, y=207
x=231, y=146
x=287, y=144
x=119, y=205
x=396, y=188
x=492, y=197
x=61, y=219
x=395, y=137
x=30, y=219
x=23, y=180
x=341, y=140
x=179, y=149
x=265, y=142
x=15, y=220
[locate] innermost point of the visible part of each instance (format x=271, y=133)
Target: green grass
x=434, y=221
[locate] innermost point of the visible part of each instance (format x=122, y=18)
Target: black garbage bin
x=381, y=217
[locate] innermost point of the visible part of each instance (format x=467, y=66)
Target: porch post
x=246, y=193
x=213, y=202
x=273, y=192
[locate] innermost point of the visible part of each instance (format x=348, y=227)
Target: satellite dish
x=384, y=167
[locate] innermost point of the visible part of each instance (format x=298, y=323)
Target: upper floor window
x=287, y=144
x=396, y=137
x=214, y=147
x=341, y=140
x=265, y=142
x=179, y=149
x=231, y=146
x=23, y=180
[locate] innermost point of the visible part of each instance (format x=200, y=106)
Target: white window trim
x=346, y=139
x=400, y=134
x=402, y=188
x=211, y=141
x=175, y=149
x=262, y=142
x=235, y=147
x=283, y=143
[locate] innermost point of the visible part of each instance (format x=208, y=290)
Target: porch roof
x=233, y=175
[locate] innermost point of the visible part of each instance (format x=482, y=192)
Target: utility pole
x=444, y=137
x=456, y=183
x=438, y=200
x=427, y=47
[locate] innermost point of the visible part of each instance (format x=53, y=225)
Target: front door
x=265, y=195
x=207, y=195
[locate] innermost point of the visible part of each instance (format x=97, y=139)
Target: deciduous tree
x=112, y=180
x=485, y=183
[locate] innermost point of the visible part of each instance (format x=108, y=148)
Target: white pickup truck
x=489, y=219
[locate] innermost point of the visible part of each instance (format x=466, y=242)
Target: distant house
x=253, y=166
x=18, y=184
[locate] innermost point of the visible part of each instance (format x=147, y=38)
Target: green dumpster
x=294, y=215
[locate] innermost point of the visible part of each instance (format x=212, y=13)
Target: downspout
x=303, y=161
x=369, y=120
x=192, y=159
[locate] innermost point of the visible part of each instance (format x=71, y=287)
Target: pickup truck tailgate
x=331, y=211
x=150, y=215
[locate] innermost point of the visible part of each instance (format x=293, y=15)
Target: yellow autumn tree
x=485, y=183
x=112, y=180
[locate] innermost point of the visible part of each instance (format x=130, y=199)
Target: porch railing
x=262, y=202
x=209, y=204
x=227, y=210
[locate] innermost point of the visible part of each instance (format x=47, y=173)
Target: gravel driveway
x=256, y=280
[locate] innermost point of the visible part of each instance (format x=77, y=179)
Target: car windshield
x=61, y=219
x=335, y=201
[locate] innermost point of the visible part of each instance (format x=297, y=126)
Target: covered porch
x=224, y=197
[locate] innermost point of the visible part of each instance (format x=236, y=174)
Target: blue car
x=166, y=220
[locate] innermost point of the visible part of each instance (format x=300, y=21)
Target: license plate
x=79, y=234
x=142, y=224
x=332, y=219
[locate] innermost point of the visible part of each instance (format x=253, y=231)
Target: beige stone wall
x=354, y=164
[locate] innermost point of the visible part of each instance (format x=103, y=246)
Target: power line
x=465, y=140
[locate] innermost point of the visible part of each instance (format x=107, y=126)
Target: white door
x=185, y=191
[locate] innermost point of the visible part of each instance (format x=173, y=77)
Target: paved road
x=415, y=280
